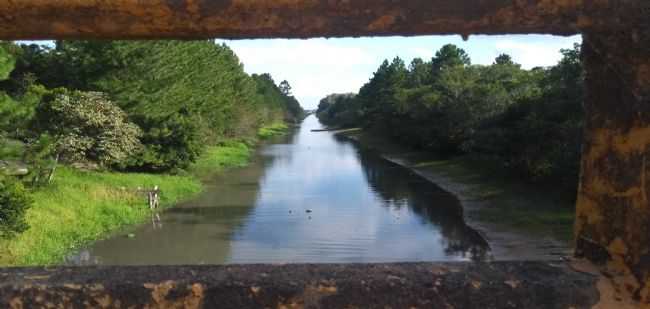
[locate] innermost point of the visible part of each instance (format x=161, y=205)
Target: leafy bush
x=14, y=202
x=88, y=126
x=169, y=143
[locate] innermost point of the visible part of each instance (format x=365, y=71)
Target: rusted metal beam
x=128, y=19
x=613, y=208
x=412, y=285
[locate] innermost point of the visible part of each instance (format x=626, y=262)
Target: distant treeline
x=528, y=122
x=145, y=106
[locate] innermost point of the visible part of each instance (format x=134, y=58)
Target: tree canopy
x=179, y=95
x=526, y=121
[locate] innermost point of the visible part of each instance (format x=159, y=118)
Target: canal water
x=309, y=197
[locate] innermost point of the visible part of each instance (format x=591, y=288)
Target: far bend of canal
x=309, y=197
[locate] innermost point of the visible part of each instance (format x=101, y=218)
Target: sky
x=318, y=67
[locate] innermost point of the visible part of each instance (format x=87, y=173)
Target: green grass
x=526, y=207
x=274, y=129
x=80, y=207
x=216, y=158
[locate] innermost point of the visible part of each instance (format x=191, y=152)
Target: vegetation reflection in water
x=309, y=197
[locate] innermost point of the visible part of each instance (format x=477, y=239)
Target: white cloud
x=302, y=52
x=318, y=67
x=314, y=67
x=532, y=54
x=425, y=53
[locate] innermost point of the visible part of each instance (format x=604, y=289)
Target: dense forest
x=151, y=106
x=527, y=122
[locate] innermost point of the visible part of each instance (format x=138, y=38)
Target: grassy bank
x=501, y=199
x=80, y=207
x=275, y=129
x=216, y=158
x=83, y=206
x=532, y=209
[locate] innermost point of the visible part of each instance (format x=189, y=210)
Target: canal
x=308, y=197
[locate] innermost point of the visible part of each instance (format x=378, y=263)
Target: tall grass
x=80, y=207
x=274, y=129
x=216, y=158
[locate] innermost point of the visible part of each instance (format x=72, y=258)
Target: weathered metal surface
x=412, y=285
x=613, y=208
x=44, y=19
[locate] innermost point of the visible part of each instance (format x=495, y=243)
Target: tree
x=170, y=142
x=418, y=73
x=87, y=126
x=151, y=81
x=449, y=55
x=526, y=121
x=14, y=202
x=503, y=59
x=7, y=62
x=285, y=88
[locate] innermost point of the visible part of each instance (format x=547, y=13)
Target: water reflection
x=428, y=201
x=308, y=197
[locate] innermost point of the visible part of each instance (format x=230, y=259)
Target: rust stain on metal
x=34, y=19
x=613, y=212
x=160, y=295
x=301, y=286
x=16, y=303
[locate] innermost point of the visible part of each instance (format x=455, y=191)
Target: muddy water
x=308, y=197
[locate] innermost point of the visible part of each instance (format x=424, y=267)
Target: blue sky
x=318, y=67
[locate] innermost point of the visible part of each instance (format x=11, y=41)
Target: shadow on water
x=307, y=197
x=431, y=203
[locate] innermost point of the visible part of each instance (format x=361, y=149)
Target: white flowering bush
x=87, y=126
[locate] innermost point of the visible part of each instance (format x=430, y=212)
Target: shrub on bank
x=14, y=202
x=87, y=126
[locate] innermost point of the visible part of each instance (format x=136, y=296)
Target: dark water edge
x=309, y=197
x=519, y=221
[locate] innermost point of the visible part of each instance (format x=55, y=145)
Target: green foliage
x=87, y=126
x=14, y=202
x=156, y=81
x=11, y=149
x=82, y=206
x=17, y=113
x=278, y=98
x=503, y=59
x=7, y=62
x=170, y=142
x=135, y=106
x=339, y=109
x=153, y=82
x=271, y=130
x=216, y=158
x=526, y=121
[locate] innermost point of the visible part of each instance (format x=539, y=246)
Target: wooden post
x=154, y=197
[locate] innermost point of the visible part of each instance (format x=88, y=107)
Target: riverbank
x=517, y=220
x=80, y=207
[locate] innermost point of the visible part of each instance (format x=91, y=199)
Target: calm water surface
x=307, y=197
